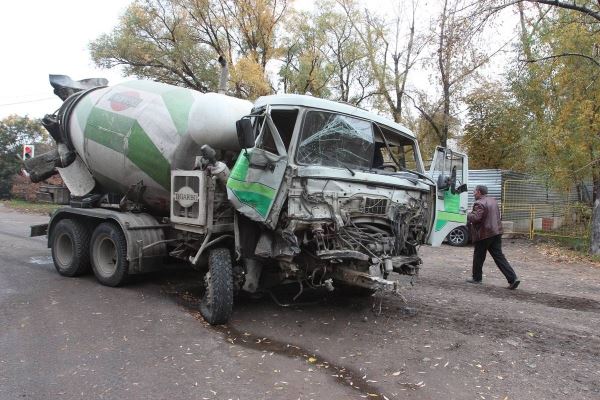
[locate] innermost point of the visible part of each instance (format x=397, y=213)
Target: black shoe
x=471, y=280
x=514, y=285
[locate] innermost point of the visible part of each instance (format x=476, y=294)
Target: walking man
x=486, y=231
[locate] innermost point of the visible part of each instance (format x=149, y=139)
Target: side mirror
x=443, y=182
x=245, y=133
x=452, y=181
x=462, y=188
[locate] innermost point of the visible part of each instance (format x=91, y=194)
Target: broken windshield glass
x=336, y=141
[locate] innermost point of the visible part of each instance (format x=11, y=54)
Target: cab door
x=254, y=186
x=449, y=170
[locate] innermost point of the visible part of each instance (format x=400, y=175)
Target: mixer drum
x=141, y=130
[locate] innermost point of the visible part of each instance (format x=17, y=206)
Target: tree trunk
x=595, y=183
x=595, y=228
x=595, y=234
x=446, y=116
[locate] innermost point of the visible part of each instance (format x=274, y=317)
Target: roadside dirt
x=446, y=339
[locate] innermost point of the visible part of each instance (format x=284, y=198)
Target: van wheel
x=109, y=254
x=458, y=237
x=71, y=247
x=216, y=305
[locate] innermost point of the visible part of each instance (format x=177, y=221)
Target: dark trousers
x=494, y=246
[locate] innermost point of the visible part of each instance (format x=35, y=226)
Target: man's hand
x=476, y=216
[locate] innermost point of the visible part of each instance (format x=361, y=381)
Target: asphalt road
x=71, y=338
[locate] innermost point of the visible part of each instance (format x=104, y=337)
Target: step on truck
x=289, y=189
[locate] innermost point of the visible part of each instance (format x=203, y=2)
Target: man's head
x=480, y=191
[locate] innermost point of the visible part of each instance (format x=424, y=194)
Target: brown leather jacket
x=485, y=219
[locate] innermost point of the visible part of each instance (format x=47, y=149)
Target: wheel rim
x=457, y=236
x=106, y=257
x=64, y=249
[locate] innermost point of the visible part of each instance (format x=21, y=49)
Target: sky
x=38, y=38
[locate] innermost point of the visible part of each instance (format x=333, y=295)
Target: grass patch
x=29, y=207
x=567, y=249
x=580, y=245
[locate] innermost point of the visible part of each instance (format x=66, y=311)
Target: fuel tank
x=139, y=131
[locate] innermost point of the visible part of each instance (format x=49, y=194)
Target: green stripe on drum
x=144, y=153
x=108, y=129
x=179, y=102
x=112, y=130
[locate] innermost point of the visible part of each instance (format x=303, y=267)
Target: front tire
x=109, y=254
x=71, y=247
x=216, y=305
x=458, y=237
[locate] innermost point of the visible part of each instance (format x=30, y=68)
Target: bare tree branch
x=556, y=3
x=569, y=6
x=562, y=55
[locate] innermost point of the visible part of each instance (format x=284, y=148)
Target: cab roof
x=328, y=105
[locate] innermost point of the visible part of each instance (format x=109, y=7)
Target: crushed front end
x=355, y=233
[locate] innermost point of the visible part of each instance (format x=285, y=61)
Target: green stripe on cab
x=444, y=217
x=251, y=198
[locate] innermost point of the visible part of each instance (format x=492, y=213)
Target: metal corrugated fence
x=532, y=206
x=492, y=178
x=536, y=208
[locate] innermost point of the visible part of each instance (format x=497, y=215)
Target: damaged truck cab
x=290, y=189
x=339, y=193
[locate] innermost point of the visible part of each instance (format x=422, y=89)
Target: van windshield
x=335, y=140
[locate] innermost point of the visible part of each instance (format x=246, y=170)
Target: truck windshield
x=335, y=140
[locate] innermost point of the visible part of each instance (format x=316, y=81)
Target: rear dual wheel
x=70, y=245
x=75, y=248
x=109, y=254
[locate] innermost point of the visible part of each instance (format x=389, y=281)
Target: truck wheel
x=458, y=237
x=216, y=305
x=109, y=254
x=71, y=247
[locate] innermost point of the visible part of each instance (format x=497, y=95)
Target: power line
x=26, y=102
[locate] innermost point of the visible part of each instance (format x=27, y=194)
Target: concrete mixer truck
x=290, y=189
